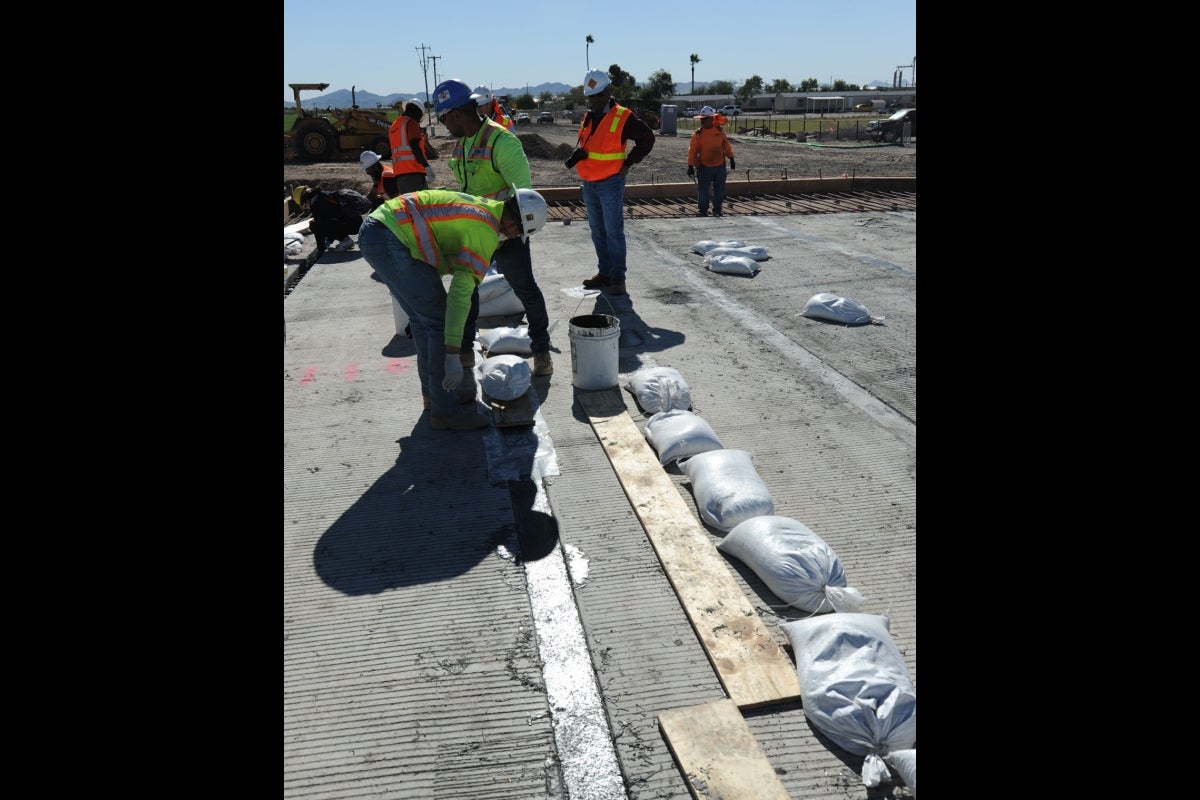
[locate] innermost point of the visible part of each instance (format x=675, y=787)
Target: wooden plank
x=752, y=668
x=718, y=755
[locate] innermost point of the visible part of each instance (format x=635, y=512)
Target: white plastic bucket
x=594, y=339
x=398, y=313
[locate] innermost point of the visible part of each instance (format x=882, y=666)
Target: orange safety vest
x=497, y=114
x=403, y=160
x=379, y=187
x=605, y=149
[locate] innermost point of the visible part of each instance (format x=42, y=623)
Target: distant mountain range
x=344, y=98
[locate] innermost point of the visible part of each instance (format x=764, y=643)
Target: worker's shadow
x=636, y=336
x=444, y=507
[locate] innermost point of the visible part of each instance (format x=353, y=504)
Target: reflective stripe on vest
x=421, y=219
x=403, y=160
x=481, y=152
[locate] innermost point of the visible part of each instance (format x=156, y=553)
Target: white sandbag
x=838, y=309
x=731, y=265
x=754, y=252
x=855, y=686
x=293, y=243
x=679, y=433
x=704, y=245
x=795, y=563
x=727, y=488
x=496, y=341
x=497, y=298
x=505, y=377
x=659, y=389
x=905, y=763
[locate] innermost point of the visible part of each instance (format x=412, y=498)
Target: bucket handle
x=610, y=305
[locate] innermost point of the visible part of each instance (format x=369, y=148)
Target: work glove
x=429, y=175
x=691, y=171
x=732, y=164
x=454, y=372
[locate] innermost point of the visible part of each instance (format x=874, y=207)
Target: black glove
x=578, y=155
x=691, y=171
x=732, y=164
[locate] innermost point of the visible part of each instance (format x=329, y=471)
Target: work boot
x=701, y=213
x=542, y=365
x=596, y=281
x=459, y=422
x=425, y=401
x=616, y=287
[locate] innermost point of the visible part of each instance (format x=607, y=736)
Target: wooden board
x=718, y=754
x=751, y=667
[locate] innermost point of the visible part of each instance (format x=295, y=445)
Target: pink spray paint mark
x=399, y=365
x=310, y=374
x=351, y=372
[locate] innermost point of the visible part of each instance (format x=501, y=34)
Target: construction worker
x=383, y=180
x=335, y=215
x=602, y=164
x=707, y=151
x=490, y=107
x=415, y=239
x=488, y=160
x=409, y=162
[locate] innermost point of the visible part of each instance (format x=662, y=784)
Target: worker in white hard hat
x=489, y=160
x=602, y=164
x=410, y=160
x=490, y=107
x=412, y=241
x=707, y=151
x=383, y=180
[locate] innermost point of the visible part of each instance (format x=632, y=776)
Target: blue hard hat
x=452, y=94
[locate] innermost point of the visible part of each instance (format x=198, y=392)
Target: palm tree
x=694, y=59
x=588, y=51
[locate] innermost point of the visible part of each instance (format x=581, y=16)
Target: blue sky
x=376, y=46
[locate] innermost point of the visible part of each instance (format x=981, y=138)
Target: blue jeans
x=605, y=201
x=419, y=290
x=513, y=260
x=714, y=177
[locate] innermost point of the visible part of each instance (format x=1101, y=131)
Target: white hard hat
x=485, y=95
x=595, y=82
x=369, y=158
x=533, y=210
x=414, y=103
x=707, y=111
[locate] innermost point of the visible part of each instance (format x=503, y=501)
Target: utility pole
x=434, y=59
x=425, y=71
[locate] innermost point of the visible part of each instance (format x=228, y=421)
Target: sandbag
x=505, y=377
x=795, y=563
x=838, y=309
x=855, y=686
x=497, y=298
x=905, y=763
x=704, y=245
x=754, y=252
x=659, y=389
x=496, y=341
x=731, y=265
x=727, y=488
x=679, y=433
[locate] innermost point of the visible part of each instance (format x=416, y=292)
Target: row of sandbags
x=854, y=683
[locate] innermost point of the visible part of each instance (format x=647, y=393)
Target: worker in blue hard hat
x=488, y=160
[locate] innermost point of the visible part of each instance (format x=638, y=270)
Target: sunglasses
x=442, y=117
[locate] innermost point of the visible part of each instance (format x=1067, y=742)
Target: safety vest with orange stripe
x=404, y=135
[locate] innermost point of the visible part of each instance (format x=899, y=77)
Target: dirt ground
x=548, y=146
